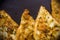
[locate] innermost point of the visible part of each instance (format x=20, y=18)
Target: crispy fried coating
x=55, y=5
x=8, y=26
x=44, y=26
x=25, y=30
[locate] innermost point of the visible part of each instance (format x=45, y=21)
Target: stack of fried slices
x=46, y=26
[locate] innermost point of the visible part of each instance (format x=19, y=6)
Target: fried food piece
x=56, y=9
x=44, y=24
x=8, y=26
x=25, y=30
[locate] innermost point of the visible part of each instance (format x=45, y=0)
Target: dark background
x=16, y=7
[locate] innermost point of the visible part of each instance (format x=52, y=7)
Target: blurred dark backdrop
x=16, y=7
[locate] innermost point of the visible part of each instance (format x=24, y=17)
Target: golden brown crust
x=44, y=24
x=7, y=25
x=25, y=30
x=56, y=9
x=8, y=19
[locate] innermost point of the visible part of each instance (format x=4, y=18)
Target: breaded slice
x=25, y=30
x=8, y=26
x=55, y=4
x=44, y=25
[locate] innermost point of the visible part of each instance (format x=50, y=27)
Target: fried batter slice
x=44, y=26
x=25, y=30
x=8, y=26
x=56, y=9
